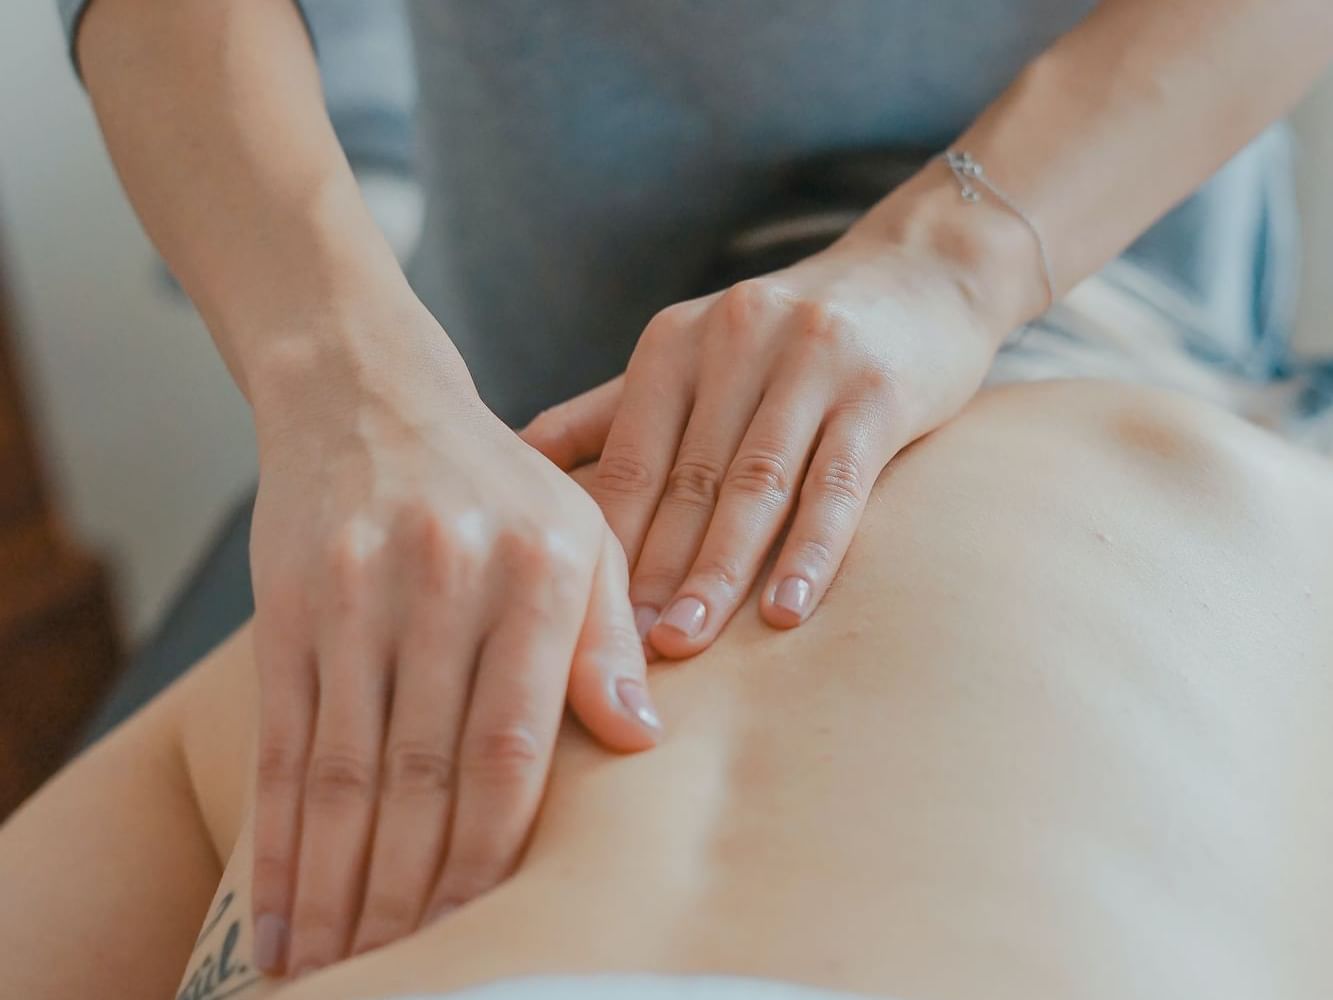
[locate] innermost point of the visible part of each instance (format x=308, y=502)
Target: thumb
x=573, y=432
x=607, y=688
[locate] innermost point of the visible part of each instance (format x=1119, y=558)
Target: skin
x=1060, y=729
x=441, y=546
x=378, y=669
x=782, y=399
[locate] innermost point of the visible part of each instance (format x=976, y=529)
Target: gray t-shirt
x=582, y=160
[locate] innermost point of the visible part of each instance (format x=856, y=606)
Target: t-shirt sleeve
x=71, y=17
x=71, y=13
x=365, y=63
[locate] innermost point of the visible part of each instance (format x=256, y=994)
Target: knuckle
x=336, y=777
x=447, y=555
x=421, y=541
x=349, y=557
x=619, y=644
x=623, y=473
x=388, y=912
x=463, y=543
x=694, y=483
x=666, y=323
x=539, y=553
x=879, y=380
x=418, y=528
x=505, y=755
x=814, y=554
x=412, y=769
x=822, y=324
x=720, y=572
x=841, y=483
x=745, y=302
x=762, y=475
x=878, y=388
x=278, y=766
x=436, y=555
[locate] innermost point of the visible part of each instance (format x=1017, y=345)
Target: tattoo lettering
x=221, y=974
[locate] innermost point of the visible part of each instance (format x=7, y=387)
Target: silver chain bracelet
x=969, y=173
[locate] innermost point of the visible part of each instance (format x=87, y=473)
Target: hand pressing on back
x=429, y=590
x=770, y=407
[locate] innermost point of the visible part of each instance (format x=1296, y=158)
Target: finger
x=418, y=777
x=724, y=410
x=852, y=453
x=756, y=498
x=504, y=756
x=573, y=433
x=339, y=802
x=286, y=721
x=607, y=689
x=642, y=441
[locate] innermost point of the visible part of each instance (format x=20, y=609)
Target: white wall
x=148, y=441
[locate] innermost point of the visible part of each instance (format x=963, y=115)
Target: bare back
x=1061, y=729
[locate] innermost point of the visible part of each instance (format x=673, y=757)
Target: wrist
x=990, y=253
x=330, y=364
x=308, y=266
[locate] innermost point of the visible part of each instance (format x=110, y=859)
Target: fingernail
x=633, y=695
x=686, y=616
x=644, y=619
x=793, y=594
x=270, y=943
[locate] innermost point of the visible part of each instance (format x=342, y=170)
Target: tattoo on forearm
x=221, y=974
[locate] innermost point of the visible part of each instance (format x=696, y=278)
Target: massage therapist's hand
x=428, y=590
x=779, y=400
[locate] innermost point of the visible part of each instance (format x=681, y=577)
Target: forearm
x=1113, y=125
x=214, y=118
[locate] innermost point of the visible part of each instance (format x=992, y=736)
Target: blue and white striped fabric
x=1128, y=324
